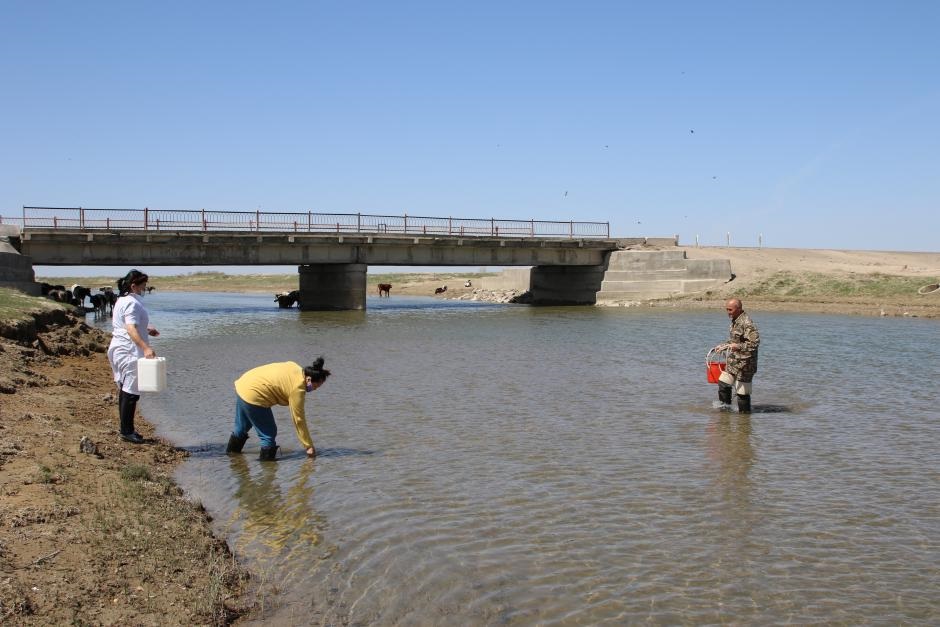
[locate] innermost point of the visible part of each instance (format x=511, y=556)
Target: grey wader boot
x=724, y=393
x=268, y=453
x=236, y=443
x=744, y=403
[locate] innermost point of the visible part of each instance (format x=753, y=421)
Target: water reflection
x=276, y=515
x=458, y=482
x=731, y=454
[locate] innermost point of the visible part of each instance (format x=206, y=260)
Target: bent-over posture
x=282, y=383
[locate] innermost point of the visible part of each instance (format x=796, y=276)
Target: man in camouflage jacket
x=742, y=358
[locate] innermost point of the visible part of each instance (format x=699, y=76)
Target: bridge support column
x=332, y=287
x=566, y=285
x=16, y=270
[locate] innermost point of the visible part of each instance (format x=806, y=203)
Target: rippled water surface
x=484, y=465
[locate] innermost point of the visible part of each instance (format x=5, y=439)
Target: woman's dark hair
x=134, y=277
x=316, y=371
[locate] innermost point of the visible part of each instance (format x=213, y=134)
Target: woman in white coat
x=131, y=330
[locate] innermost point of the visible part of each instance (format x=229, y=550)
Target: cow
x=385, y=288
x=79, y=293
x=468, y=283
x=59, y=296
x=99, y=303
x=110, y=297
x=440, y=290
x=286, y=300
x=150, y=288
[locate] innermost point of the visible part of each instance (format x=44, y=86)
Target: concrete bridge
x=568, y=260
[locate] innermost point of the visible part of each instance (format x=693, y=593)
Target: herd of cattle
x=102, y=301
x=286, y=300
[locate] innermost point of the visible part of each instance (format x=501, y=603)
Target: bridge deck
x=118, y=247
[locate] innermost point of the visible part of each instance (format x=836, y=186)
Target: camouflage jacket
x=742, y=363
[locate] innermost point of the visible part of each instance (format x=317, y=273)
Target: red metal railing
x=85, y=219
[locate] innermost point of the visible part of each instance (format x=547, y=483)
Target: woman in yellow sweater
x=283, y=383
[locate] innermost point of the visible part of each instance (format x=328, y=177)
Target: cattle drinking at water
x=385, y=289
x=79, y=293
x=286, y=300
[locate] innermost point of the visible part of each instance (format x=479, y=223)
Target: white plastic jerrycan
x=151, y=374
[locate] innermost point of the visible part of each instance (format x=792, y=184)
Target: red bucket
x=714, y=369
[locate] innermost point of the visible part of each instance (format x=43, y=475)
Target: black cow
x=286, y=300
x=79, y=293
x=99, y=302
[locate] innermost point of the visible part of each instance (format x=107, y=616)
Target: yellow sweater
x=281, y=383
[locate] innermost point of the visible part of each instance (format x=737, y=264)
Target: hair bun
x=318, y=363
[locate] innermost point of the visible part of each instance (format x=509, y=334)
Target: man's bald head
x=734, y=308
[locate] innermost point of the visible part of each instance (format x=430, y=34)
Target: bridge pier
x=566, y=285
x=332, y=286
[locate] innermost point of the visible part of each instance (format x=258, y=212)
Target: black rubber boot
x=744, y=403
x=724, y=393
x=268, y=453
x=127, y=405
x=236, y=443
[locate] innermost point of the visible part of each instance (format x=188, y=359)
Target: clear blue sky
x=816, y=124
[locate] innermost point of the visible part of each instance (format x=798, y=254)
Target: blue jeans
x=261, y=418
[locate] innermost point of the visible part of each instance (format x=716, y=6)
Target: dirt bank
x=100, y=536
x=851, y=282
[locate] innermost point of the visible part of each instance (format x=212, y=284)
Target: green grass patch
x=15, y=305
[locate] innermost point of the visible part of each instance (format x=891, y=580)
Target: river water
x=487, y=465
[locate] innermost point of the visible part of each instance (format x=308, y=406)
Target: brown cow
x=385, y=288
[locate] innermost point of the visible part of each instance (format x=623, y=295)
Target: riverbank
x=93, y=530
x=848, y=282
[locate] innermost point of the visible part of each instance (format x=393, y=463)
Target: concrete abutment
x=16, y=270
x=626, y=277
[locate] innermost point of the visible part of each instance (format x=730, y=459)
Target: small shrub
x=46, y=475
x=135, y=472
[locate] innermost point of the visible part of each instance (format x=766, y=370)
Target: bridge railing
x=89, y=219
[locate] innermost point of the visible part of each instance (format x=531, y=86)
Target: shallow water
x=483, y=464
